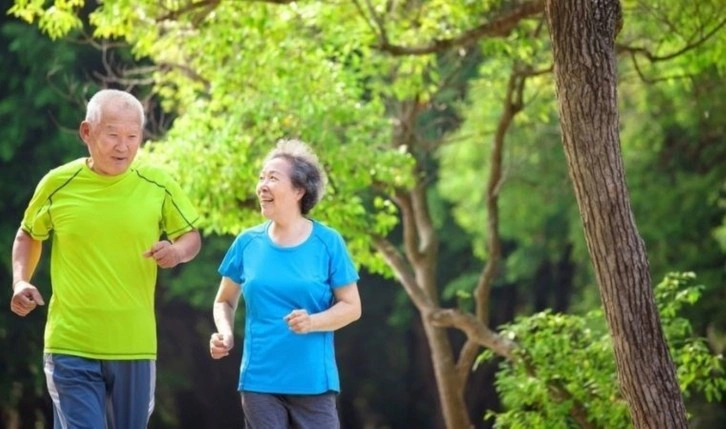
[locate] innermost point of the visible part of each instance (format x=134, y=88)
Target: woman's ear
x=300, y=192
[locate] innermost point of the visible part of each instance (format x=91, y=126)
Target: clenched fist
x=164, y=253
x=25, y=298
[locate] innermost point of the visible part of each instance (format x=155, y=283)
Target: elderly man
x=112, y=222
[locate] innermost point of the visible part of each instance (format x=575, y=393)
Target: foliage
x=669, y=135
x=534, y=195
x=38, y=91
x=253, y=87
x=698, y=369
x=720, y=232
x=573, y=354
x=673, y=150
x=318, y=97
x=240, y=75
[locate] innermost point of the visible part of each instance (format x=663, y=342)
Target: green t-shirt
x=102, y=305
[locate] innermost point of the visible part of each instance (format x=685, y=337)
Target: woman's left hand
x=299, y=321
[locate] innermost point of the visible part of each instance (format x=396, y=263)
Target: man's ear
x=85, y=131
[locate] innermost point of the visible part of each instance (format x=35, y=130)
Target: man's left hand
x=164, y=253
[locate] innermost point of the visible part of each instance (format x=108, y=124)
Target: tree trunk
x=450, y=386
x=451, y=391
x=583, y=39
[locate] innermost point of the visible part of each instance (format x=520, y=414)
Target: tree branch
x=648, y=80
x=188, y=72
x=376, y=25
x=467, y=356
x=191, y=6
x=513, y=105
x=500, y=26
x=474, y=329
x=653, y=58
x=427, y=240
x=528, y=72
x=209, y=5
x=408, y=221
x=403, y=274
x=410, y=202
x=578, y=411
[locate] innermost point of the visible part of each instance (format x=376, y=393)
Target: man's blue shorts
x=92, y=393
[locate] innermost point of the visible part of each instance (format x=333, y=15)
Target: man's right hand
x=25, y=298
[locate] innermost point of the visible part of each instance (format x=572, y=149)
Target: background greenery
x=309, y=70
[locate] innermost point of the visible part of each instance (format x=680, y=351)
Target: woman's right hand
x=220, y=345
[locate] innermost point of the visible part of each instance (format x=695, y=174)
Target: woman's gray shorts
x=267, y=410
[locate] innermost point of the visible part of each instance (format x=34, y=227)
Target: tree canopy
x=437, y=125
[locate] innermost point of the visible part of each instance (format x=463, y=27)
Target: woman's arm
x=225, y=305
x=346, y=310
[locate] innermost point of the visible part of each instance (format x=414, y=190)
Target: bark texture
x=583, y=40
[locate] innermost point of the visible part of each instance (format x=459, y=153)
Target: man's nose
x=125, y=143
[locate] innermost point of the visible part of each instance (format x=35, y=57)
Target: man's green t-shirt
x=102, y=303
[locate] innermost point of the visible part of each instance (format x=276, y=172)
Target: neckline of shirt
x=104, y=177
x=288, y=248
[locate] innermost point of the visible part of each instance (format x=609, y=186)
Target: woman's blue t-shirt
x=276, y=280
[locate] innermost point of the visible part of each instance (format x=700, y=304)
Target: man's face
x=114, y=140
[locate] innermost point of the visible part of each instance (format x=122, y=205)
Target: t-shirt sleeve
x=179, y=215
x=37, y=220
x=231, y=265
x=342, y=269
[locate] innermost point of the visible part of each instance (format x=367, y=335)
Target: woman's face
x=277, y=196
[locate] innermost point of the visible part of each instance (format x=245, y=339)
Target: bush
x=564, y=370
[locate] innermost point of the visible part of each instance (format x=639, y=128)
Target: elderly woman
x=299, y=285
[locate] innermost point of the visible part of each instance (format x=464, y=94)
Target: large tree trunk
x=583, y=39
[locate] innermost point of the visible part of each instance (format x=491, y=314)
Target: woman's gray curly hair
x=306, y=173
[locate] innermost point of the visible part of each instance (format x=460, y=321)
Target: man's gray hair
x=94, y=109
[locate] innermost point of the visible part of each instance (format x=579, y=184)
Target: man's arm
x=25, y=258
x=183, y=249
x=188, y=245
x=26, y=255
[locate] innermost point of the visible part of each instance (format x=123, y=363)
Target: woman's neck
x=291, y=232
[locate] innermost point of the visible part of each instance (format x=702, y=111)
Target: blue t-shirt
x=276, y=280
